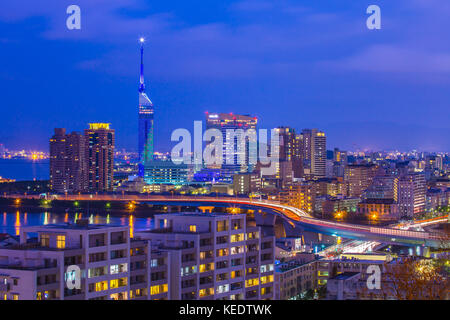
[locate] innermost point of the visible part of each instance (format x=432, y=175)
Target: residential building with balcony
x=111, y=265
x=214, y=256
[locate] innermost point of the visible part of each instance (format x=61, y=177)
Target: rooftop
x=378, y=201
x=345, y=276
x=70, y=226
x=201, y=214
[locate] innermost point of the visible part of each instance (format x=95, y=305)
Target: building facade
x=236, y=130
x=358, y=177
x=112, y=265
x=67, y=162
x=410, y=192
x=215, y=256
x=314, y=153
x=99, y=145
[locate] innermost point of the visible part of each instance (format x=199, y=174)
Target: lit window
x=193, y=228
x=158, y=289
x=61, y=242
x=251, y=282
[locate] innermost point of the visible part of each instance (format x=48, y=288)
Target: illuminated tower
x=145, y=142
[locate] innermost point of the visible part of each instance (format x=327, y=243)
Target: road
x=294, y=216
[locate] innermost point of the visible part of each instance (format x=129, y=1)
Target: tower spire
x=141, y=78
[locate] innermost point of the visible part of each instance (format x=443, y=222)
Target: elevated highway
x=294, y=216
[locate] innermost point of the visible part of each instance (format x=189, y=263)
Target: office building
x=290, y=149
x=246, y=183
x=410, y=191
x=314, y=153
x=165, y=172
x=235, y=139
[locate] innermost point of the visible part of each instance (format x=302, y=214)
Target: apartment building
x=358, y=177
x=214, y=256
x=327, y=269
x=300, y=274
x=293, y=278
x=111, y=266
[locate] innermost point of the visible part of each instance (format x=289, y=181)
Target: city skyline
x=275, y=150
x=202, y=62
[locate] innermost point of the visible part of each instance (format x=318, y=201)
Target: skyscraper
x=99, y=139
x=145, y=135
x=314, y=153
x=58, y=176
x=67, y=162
x=290, y=149
x=230, y=124
x=409, y=192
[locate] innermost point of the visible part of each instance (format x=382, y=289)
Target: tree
x=414, y=279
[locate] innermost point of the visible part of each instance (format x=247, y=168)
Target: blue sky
x=293, y=63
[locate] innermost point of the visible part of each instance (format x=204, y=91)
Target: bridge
x=295, y=217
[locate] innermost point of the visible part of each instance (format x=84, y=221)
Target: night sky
x=293, y=63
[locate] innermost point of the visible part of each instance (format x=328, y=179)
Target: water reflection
x=13, y=222
x=17, y=223
x=131, y=224
x=46, y=217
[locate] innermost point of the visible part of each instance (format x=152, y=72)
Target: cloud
x=394, y=59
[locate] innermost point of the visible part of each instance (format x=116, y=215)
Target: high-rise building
x=314, y=153
x=146, y=129
x=99, y=140
x=290, y=149
x=67, y=162
x=233, y=128
x=409, y=192
x=358, y=178
x=77, y=164
x=298, y=167
x=339, y=162
x=58, y=174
